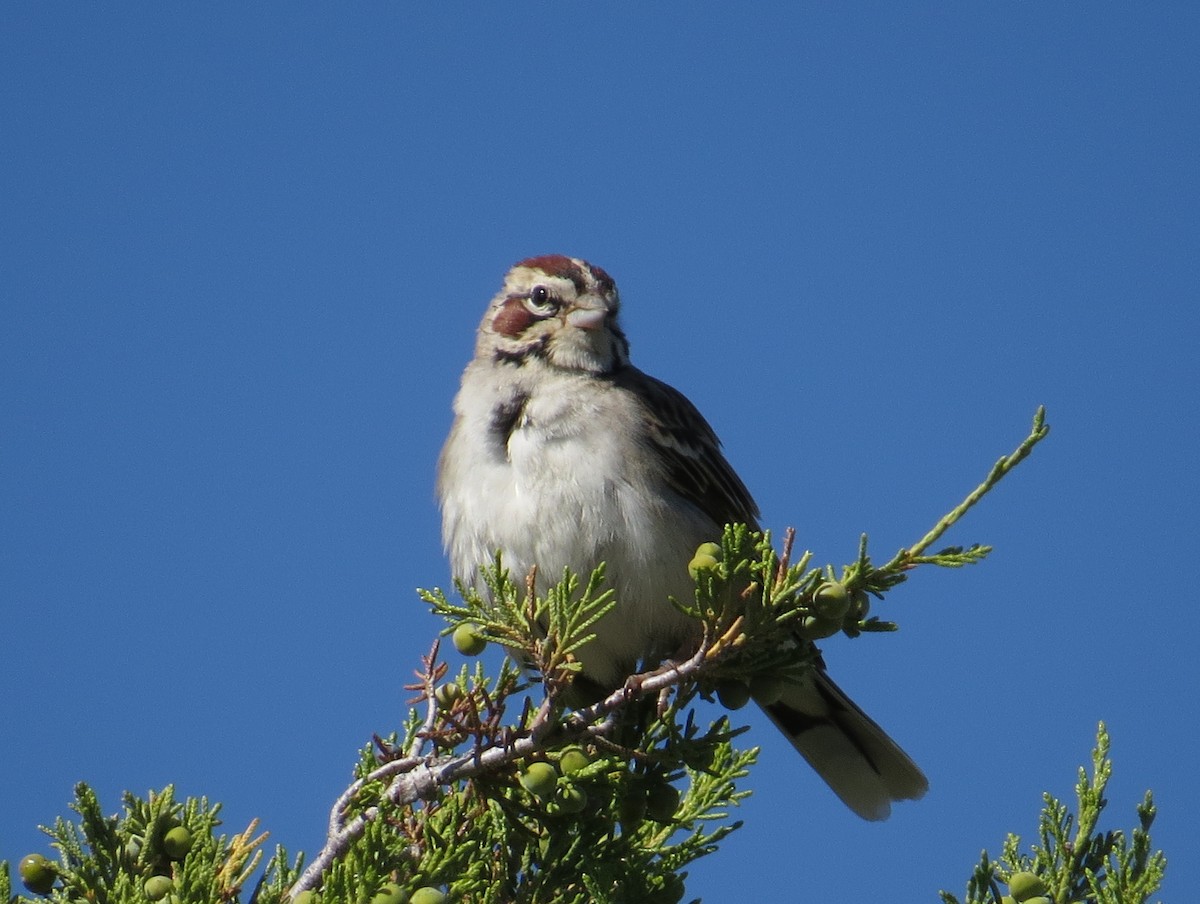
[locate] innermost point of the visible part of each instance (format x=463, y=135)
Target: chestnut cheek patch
x=513, y=318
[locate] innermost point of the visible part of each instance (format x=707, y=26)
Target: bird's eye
x=541, y=299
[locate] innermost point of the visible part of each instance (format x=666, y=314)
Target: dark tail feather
x=855, y=757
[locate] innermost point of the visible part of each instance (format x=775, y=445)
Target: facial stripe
x=558, y=265
x=581, y=274
x=604, y=282
x=513, y=318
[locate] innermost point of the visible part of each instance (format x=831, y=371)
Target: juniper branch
x=1004, y=466
x=414, y=778
x=1075, y=864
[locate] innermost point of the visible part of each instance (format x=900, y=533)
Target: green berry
x=733, y=694
x=467, y=639
x=662, y=800
x=860, y=605
x=572, y=760
x=632, y=807
x=37, y=873
x=158, y=887
x=540, y=780
x=702, y=563
x=133, y=847
x=447, y=694
x=697, y=756
x=711, y=549
x=177, y=843
x=1024, y=886
x=428, y=895
x=307, y=897
x=814, y=627
x=670, y=893
x=1036, y=899
x=832, y=601
x=767, y=689
x=570, y=798
x=390, y=894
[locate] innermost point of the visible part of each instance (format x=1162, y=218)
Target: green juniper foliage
x=1073, y=860
x=158, y=848
x=514, y=787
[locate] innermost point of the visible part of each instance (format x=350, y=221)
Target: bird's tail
x=855, y=757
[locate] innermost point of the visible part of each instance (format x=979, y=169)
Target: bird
x=563, y=454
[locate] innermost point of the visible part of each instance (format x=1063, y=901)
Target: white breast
x=570, y=489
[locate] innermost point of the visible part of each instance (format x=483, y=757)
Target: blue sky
x=243, y=251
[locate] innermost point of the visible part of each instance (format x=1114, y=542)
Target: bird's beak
x=586, y=318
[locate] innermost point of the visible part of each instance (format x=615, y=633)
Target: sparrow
x=563, y=454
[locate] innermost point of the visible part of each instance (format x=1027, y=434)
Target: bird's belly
x=547, y=507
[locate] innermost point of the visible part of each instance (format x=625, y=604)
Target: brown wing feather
x=689, y=451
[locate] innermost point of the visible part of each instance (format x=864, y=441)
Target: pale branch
x=431, y=708
x=412, y=779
